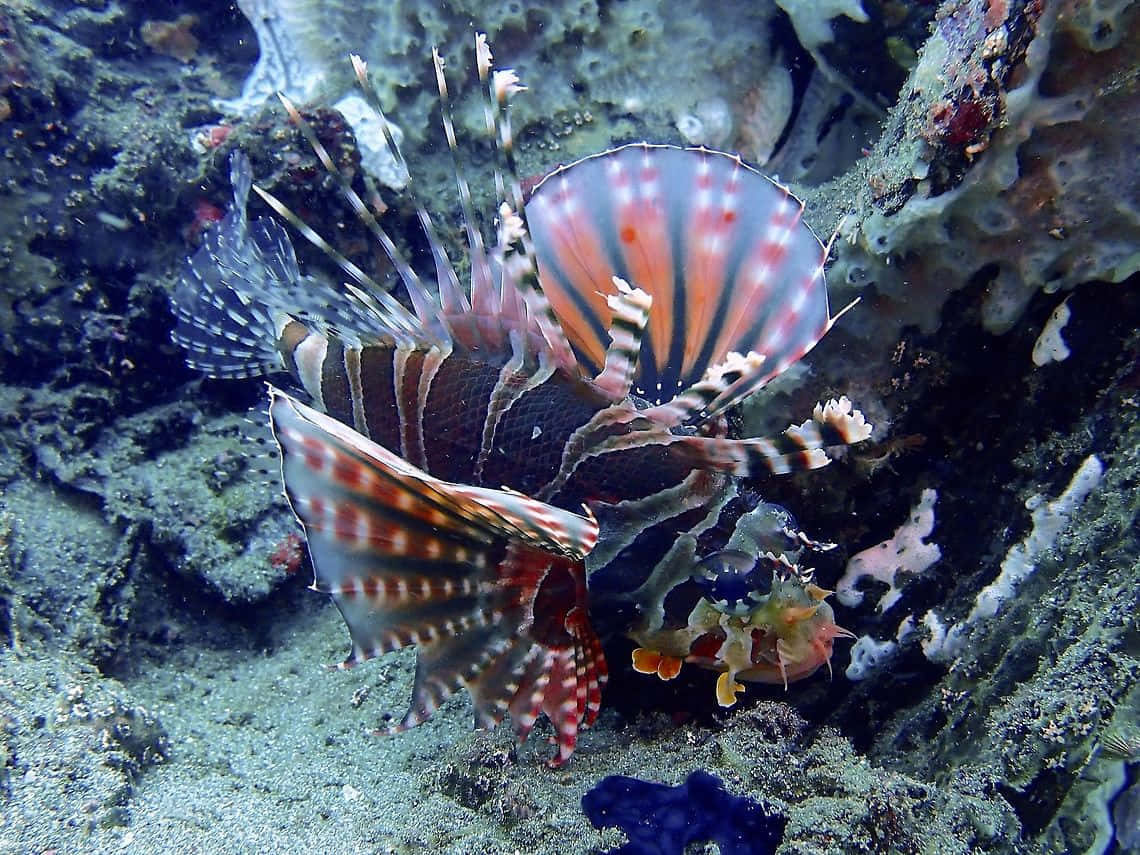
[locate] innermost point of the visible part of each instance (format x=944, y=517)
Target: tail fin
x=243, y=286
x=489, y=584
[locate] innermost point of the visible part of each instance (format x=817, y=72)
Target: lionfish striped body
x=492, y=473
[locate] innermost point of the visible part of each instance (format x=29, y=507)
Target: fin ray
x=721, y=250
x=485, y=582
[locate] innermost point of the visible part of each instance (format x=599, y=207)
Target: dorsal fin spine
x=426, y=305
x=519, y=271
x=484, y=63
x=408, y=276
x=481, y=281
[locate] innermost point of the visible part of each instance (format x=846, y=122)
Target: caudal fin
x=223, y=321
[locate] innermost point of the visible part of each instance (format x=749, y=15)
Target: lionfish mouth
x=449, y=470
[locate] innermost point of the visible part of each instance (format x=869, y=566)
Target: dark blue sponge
x=663, y=820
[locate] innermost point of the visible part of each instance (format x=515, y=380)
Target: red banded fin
x=721, y=250
x=489, y=584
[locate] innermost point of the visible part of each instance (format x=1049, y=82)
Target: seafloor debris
x=172, y=38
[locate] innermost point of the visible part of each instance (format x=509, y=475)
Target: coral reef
x=906, y=552
x=156, y=652
x=1009, y=129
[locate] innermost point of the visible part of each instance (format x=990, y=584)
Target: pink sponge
x=906, y=553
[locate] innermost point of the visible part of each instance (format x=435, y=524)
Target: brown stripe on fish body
x=532, y=435
x=455, y=414
x=338, y=387
x=335, y=392
x=304, y=351
x=630, y=473
x=355, y=389
x=378, y=395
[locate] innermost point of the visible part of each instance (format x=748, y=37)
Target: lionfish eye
x=733, y=582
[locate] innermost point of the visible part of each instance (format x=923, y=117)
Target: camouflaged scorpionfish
x=489, y=475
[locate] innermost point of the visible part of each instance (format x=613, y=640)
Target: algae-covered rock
x=74, y=748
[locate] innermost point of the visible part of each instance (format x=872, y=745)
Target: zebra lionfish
x=493, y=473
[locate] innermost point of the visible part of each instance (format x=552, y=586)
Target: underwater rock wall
x=600, y=64
x=156, y=635
x=1007, y=161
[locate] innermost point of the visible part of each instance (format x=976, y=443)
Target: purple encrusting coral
x=663, y=820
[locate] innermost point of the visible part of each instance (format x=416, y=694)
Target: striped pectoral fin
x=537, y=654
x=535, y=668
x=719, y=380
x=722, y=251
x=489, y=584
x=800, y=447
x=556, y=666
